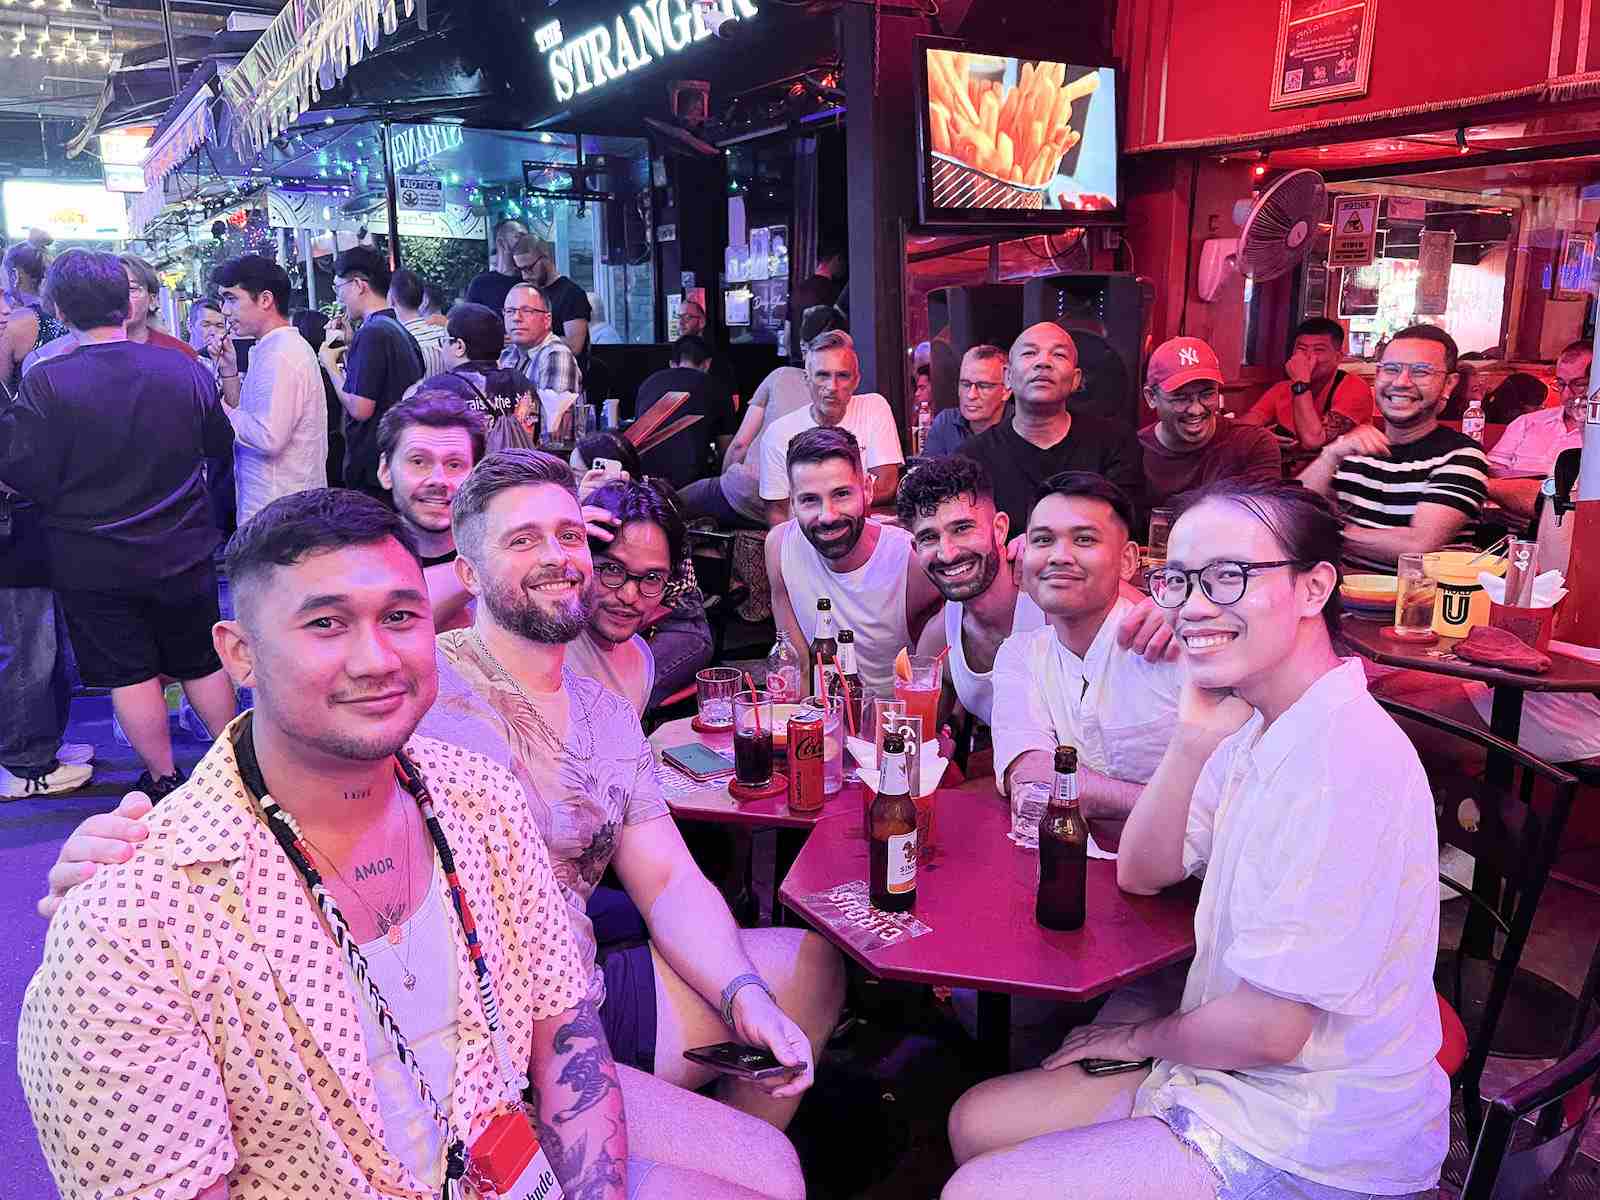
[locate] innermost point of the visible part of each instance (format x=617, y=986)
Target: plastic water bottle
x=783, y=671
x=924, y=426
x=1472, y=422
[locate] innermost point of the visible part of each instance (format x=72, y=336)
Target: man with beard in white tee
x=829, y=549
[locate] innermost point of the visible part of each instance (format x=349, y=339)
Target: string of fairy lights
x=55, y=41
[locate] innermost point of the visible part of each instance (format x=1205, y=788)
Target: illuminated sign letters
x=413, y=145
x=647, y=31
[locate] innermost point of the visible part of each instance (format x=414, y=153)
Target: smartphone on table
x=698, y=762
x=740, y=1061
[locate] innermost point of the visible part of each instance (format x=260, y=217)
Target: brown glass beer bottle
x=1063, y=850
x=892, y=821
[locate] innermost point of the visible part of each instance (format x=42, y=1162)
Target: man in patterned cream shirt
x=274, y=996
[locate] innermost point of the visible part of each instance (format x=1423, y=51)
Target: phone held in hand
x=740, y=1061
x=609, y=465
x=698, y=762
x=1113, y=1066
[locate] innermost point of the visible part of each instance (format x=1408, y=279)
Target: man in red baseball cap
x=1191, y=443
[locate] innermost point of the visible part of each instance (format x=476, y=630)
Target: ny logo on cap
x=1189, y=356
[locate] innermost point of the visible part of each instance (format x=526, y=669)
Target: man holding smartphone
x=280, y=424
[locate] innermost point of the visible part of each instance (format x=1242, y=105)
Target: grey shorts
x=1241, y=1175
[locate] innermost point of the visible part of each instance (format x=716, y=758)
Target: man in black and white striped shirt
x=1409, y=486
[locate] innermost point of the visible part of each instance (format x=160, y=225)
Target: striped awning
x=309, y=46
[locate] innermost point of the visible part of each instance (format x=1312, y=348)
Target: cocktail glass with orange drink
x=916, y=684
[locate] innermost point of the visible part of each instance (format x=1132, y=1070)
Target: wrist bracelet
x=220, y=375
x=735, y=986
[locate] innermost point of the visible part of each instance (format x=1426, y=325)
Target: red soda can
x=805, y=763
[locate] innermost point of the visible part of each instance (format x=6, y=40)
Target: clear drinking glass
x=1029, y=799
x=752, y=738
x=832, y=713
x=1160, y=529
x=716, y=686
x=885, y=715
x=1414, y=596
x=583, y=422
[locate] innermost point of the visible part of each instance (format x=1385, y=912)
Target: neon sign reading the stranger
x=648, y=31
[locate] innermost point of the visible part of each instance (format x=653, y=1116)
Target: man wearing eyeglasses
x=1188, y=445
x=535, y=260
x=636, y=537
x=1527, y=450
x=982, y=401
x=536, y=351
x=1412, y=486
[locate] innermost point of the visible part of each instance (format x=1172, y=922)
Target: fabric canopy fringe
x=309, y=46
x=1545, y=90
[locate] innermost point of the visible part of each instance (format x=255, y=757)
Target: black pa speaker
x=1104, y=312
x=960, y=318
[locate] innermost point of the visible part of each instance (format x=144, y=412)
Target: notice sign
x=1433, y=271
x=420, y=193
x=1324, y=51
x=1354, y=241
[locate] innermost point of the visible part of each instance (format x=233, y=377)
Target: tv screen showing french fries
x=1014, y=133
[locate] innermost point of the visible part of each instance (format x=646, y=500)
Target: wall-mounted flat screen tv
x=1007, y=139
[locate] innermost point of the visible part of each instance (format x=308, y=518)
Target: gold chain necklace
x=555, y=739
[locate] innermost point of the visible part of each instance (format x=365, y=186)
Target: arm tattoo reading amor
x=586, y=1140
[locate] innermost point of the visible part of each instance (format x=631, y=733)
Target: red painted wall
x=1216, y=58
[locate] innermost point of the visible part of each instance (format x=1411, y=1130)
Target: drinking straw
x=1482, y=554
x=849, y=700
x=755, y=708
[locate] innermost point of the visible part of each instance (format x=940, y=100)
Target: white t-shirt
x=280, y=429
x=430, y=340
x=975, y=689
x=629, y=669
x=1114, y=705
x=1318, y=847
x=867, y=416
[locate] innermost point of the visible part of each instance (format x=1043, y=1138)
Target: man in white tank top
x=959, y=542
x=830, y=549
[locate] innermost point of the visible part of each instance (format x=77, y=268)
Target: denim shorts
x=1241, y=1175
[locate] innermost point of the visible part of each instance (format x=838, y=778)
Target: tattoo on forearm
x=586, y=1068
x=588, y=1072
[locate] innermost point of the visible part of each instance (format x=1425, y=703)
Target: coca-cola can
x=805, y=762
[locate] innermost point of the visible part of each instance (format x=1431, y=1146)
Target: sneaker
x=158, y=789
x=76, y=753
x=67, y=777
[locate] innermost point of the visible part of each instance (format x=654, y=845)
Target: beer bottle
x=824, y=649
x=892, y=820
x=850, y=674
x=1063, y=850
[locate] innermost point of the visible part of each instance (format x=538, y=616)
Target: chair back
x=1511, y=830
x=1516, y=1158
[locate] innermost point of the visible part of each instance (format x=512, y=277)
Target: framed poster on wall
x=1575, y=268
x=1324, y=51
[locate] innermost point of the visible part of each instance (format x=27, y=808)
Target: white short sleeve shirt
x=1321, y=866
x=867, y=416
x=1115, y=706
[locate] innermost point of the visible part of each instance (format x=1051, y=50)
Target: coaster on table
x=695, y=725
x=773, y=788
x=1410, y=639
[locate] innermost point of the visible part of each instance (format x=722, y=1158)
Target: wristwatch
x=735, y=986
x=1299, y=389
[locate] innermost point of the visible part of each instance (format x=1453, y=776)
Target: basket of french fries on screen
x=993, y=144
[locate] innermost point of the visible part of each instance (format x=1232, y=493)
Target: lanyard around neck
x=295, y=847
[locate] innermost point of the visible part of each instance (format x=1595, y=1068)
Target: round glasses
x=1223, y=582
x=615, y=576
